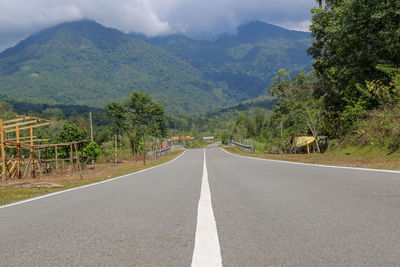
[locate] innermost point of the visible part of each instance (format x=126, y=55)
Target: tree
x=297, y=106
x=138, y=118
x=118, y=115
x=352, y=39
x=70, y=133
x=6, y=111
x=146, y=116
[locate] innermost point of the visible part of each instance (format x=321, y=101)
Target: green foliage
x=225, y=136
x=146, y=116
x=137, y=118
x=92, y=150
x=70, y=133
x=379, y=128
x=297, y=109
x=118, y=114
x=353, y=39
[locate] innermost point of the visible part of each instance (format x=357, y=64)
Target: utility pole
x=91, y=126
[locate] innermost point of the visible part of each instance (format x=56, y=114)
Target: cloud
x=197, y=18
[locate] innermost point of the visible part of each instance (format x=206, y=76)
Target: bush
x=381, y=129
x=92, y=150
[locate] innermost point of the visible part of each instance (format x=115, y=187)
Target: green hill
x=85, y=63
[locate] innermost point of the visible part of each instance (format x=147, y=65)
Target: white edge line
x=88, y=185
x=314, y=165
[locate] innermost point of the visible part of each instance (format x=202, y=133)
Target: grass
x=335, y=158
x=100, y=173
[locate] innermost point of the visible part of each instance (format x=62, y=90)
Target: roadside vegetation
x=352, y=96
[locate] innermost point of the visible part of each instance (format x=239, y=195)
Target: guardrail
x=162, y=151
x=247, y=148
x=165, y=150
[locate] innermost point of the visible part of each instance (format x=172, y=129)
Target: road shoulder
x=378, y=164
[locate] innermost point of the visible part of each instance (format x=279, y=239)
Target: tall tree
x=353, y=40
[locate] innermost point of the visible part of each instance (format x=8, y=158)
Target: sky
x=200, y=19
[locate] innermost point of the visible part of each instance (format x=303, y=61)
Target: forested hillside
x=85, y=63
x=244, y=62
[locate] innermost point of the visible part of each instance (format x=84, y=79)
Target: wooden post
x=32, y=152
x=71, y=158
x=116, y=153
x=56, y=152
x=308, y=149
x=78, y=162
x=3, y=154
x=38, y=162
x=18, y=153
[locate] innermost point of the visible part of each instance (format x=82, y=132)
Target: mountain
x=85, y=63
x=244, y=62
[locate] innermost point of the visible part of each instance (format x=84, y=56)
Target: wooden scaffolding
x=17, y=135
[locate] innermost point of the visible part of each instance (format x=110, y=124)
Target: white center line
x=207, y=251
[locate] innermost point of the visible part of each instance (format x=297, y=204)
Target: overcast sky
x=201, y=19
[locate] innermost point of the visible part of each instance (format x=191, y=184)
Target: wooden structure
x=17, y=136
x=298, y=143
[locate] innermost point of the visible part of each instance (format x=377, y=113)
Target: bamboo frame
x=15, y=165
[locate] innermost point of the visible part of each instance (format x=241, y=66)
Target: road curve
x=266, y=213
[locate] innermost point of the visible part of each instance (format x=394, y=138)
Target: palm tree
x=320, y=3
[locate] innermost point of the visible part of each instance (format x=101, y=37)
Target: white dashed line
x=207, y=252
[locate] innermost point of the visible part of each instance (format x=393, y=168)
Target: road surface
x=231, y=211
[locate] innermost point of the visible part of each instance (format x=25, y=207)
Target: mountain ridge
x=85, y=63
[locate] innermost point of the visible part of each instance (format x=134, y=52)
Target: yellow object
x=303, y=141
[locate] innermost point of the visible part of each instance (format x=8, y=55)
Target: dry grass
x=72, y=179
x=374, y=162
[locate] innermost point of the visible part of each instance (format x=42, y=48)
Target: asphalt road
x=266, y=213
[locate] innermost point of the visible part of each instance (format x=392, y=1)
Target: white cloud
x=198, y=18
